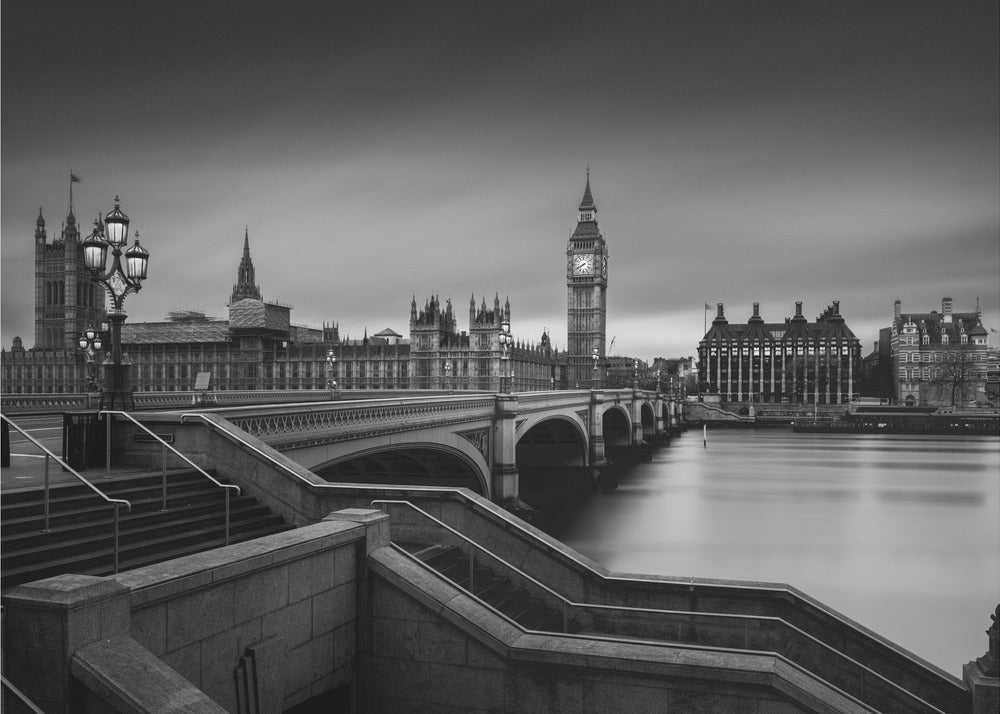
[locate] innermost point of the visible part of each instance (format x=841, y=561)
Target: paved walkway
x=27, y=473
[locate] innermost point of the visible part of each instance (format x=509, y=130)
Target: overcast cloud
x=739, y=152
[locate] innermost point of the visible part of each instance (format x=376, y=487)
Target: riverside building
x=937, y=358
x=790, y=362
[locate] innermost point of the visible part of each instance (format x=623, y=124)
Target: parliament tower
x=587, y=289
x=67, y=302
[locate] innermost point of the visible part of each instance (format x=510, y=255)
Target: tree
x=955, y=376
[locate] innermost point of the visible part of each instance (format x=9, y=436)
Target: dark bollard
x=4, y=444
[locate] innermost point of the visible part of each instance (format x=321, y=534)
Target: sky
x=739, y=152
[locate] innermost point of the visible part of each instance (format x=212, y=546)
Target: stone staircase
x=496, y=590
x=81, y=526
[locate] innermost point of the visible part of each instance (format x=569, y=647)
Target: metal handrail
x=115, y=502
x=227, y=486
x=521, y=531
x=20, y=695
x=567, y=604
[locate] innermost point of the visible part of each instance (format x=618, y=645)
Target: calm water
x=901, y=534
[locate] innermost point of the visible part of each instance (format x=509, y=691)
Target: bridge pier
x=660, y=429
x=503, y=470
x=602, y=471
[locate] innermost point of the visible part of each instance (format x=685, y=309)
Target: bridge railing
x=703, y=630
x=392, y=414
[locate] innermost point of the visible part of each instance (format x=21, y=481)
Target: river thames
x=899, y=533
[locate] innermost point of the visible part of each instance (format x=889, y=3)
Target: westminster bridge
x=477, y=440
x=482, y=441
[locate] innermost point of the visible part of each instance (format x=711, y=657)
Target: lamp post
x=120, y=279
x=658, y=381
x=594, y=356
x=90, y=342
x=506, y=341
x=447, y=375
x=635, y=374
x=331, y=373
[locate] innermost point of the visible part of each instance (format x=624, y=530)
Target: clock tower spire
x=587, y=285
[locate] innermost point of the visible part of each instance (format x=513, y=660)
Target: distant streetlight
x=120, y=279
x=594, y=356
x=447, y=374
x=90, y=342
x=331, y=372
x=506, y=342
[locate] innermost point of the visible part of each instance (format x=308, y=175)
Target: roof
x=387, y=332
x=157, y=333
x=587, y=202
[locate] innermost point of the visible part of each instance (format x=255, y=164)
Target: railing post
x=227, y=515
x=472, y=569
x=115, y=506
x=565, y=614
x=861, y=694
x=163, y=487
x=107, y=452
x=45, y=526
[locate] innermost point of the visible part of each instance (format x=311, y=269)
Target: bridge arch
x=648, y=417
x=414, y=463
x=559, y=440
x=617, y=426
x=552, y=453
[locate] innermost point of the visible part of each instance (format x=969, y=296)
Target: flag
x=73, y=178
x=707, y=306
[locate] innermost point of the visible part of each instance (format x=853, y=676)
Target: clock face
x=583, y=264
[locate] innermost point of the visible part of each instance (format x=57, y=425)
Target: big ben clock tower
x=587, y=288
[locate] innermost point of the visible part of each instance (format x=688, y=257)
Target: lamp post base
x=125, y=401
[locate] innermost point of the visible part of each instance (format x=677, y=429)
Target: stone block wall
x=444, y=652
x=272, y=621
x=294, y=591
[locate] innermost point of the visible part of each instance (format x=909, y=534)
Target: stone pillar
x=659, y=428
x=982, y=675
x=377, y=535
x=636, y=410
x=504, y=484
x=46, y=621
x=602, y=471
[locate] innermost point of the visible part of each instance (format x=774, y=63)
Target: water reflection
x=899, y=533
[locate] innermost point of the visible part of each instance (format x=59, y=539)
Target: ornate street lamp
x=447, y=374
x=506, y=341
x=594, y=356
x=658, y=381
x=124, y=276
x=331, y=373
x=90, y=342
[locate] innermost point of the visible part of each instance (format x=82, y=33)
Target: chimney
x=897, y=310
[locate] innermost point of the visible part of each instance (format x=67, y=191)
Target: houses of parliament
x=258, y=346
